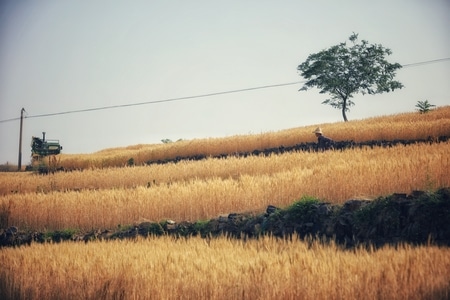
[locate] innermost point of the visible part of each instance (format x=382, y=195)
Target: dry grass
x=205, y=189
x=362, y=160
x=166, y=268
x=399, y=126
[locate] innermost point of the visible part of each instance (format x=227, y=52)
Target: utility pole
x=20, y=139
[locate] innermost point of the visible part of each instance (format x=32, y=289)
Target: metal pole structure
x=20, y=139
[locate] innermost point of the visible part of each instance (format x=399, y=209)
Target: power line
x=9, y=120
x=167, y=100
x=199, y=96
x=157, y=101
x=426, y=62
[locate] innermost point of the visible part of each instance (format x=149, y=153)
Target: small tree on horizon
x=424, y=106
x=343, y=71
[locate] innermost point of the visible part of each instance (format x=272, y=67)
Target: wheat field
x=105, y=194
x=398, y=126
x=104, y=198
x=361, y=160
x=195, y=268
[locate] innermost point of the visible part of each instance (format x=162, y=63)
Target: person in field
x=323, y=142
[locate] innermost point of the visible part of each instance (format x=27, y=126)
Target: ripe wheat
x=400, y=126
x=205, y=189
x=268, y=268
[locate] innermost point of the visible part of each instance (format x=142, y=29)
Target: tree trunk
x=344, y=109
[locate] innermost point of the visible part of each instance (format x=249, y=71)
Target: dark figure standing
x=323, y=142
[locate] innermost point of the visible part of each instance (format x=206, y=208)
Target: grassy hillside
x=399, y=126
x=106, y=193
x=193, y=190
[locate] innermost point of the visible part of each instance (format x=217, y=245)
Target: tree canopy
x=343, y=71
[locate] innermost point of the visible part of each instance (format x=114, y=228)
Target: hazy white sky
x=58, y=56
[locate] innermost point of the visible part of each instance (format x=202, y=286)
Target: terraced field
x=103, y=193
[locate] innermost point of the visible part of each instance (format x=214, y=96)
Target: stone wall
x=419, y=218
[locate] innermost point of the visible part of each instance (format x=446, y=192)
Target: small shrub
x=151, y=229
x=60, y=235
x=201, y=227
x=424, y=106
x=302, y=208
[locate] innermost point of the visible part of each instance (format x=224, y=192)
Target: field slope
x=104, y=194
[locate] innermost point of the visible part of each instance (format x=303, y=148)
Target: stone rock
x=271, y=209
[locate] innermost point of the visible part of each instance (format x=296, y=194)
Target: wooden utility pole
x=20, y=139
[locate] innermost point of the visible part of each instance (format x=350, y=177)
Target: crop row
x=407, y=126
x=104, y=198
x=195, y=268
x=310, y=147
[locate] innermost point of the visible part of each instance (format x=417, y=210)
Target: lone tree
x=343, y=71
x=424, y=106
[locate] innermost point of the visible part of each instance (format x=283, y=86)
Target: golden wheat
x=205, y=189
x=233, y=167
x=268, y=268
x=399, y=126
x=167, y=268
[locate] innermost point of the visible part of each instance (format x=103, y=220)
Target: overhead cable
x=198, y=96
